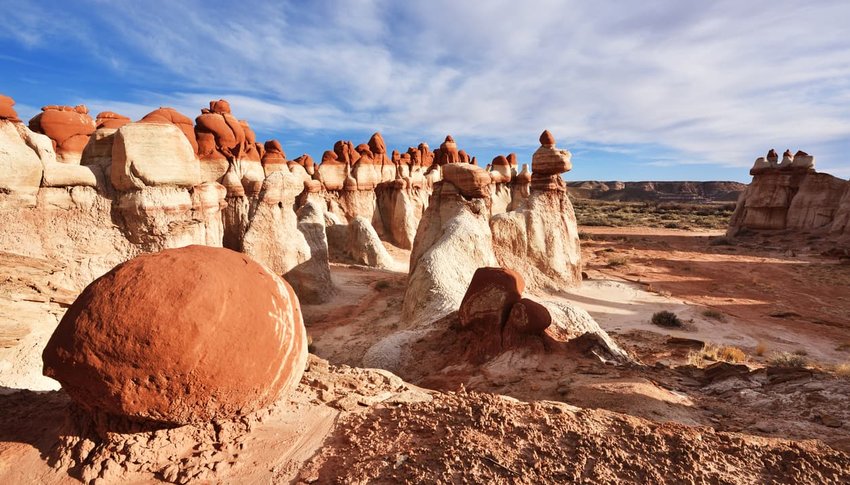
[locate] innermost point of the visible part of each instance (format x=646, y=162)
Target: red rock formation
x=772, y=157
x=448, y=152
x=547, y=139
x=512, y=160
x=251, y=152
x=470, y=180
x=332, y=172
x=274, y=158
x=221, y=138
x=501, y=169
x=549, y=160
x=182, y=336
x=7, y=112
x=171, y=115
x=110, y=120
x=489, y=298
x=345, y=152
x=69, y=128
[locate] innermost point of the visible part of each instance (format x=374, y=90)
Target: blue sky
x=650, y=90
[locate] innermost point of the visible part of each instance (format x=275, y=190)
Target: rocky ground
x=676, y=415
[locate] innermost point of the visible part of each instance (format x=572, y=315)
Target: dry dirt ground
x=524, y=417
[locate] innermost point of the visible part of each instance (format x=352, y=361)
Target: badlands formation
x=184, y=303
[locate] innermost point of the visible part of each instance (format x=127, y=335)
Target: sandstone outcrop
x=494, y=317
x=69, y=127
x=164, y=338
x=453, y=241
x=152, y=154
x=272, y=237
x=171, y=115
x=221, y=140
x=470, y=180
x=789, y=195
x=539, y=239
x=20, y=164
x=490, y=296
x=274, y=158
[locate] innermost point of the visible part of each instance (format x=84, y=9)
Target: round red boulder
x=182, y=336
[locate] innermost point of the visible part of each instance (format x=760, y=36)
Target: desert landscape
x=424, y=242
x=182, y=303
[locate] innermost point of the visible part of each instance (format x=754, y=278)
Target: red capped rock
x=470, y=180
x=171, y=115
x=110, y=120
x=512, y=160
x=547, y=138
x=69, y=128
x=489, y=298
x=187, y=335
x=7, y=111
x=274, y=158
x=772, y=157
x=221, y=139
x=448, y=152
x=332, y=172
x=502, y=166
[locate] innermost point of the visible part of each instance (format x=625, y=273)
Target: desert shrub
x=617, y=261
x=382, y=285
x=713, y=314
x=843, y=370
x=667, y=319
x=786, y=359
x=760, y=349
x=585, y=236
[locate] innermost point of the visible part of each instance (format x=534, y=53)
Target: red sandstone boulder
x=489, y=298
x=526, y=324
x=110, y=120
x=470, y=180
x=171, y=115
x=182, y=336
x=7, y=112
x=501, y=166
x=69, y=128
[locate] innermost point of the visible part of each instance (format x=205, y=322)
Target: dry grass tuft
x=617, y=261
x=716, y=353
x=760, y=349
x=786, y=359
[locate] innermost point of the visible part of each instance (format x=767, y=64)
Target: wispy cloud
x=703, y=82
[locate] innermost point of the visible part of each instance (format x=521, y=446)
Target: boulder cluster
x=494, y=310
x=789, y=194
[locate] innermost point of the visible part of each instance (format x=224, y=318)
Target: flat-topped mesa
x=274, y=158
x=7, y=110
x=798, y=162
x=548, y=163
x=70, y=128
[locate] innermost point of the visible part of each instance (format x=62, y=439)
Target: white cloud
x=709, y=82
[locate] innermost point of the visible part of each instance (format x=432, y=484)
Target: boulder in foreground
x=182, y=336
